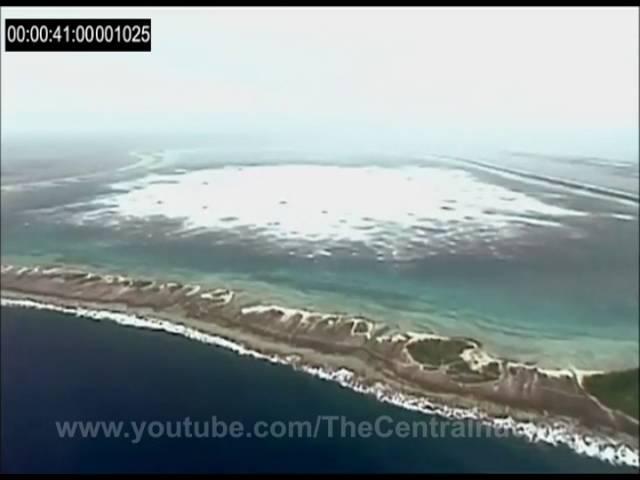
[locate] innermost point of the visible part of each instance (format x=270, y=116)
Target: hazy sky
x=548, y=80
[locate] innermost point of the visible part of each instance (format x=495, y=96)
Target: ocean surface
x=536, y=270
x=530, y=264
x=58, y=367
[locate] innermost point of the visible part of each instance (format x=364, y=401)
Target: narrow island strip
x=594, y=413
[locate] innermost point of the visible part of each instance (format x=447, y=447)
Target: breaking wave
x=554, y=433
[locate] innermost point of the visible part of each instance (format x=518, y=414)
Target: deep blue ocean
x=57, y=367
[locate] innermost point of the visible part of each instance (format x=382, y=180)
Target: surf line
x=554, y=433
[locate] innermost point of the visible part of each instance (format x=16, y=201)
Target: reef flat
x=456, y=372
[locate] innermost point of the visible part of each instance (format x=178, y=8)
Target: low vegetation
x=435, y=352
x=617, y=390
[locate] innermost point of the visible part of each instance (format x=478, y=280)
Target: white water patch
x=360, y=321
x=144, y=160
x=553, y=433
x=623, y=216
x=219, y=294
x=392, y=337
x=195, y=289
x=477, y=358
x=287, y=313
x=395, y=211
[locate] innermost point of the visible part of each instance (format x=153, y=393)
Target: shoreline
x=450, y=377
x=603, y=448
x=582, y=354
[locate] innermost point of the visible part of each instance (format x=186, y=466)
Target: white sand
x=327, y=205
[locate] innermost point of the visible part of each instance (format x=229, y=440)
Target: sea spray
x=554, y=433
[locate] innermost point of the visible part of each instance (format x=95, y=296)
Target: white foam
x=382, y=207
x=195, y=289
x=426, y=336
x=551, y=432
x=218, y=294
x=270, y=308
x=623, y=216
x=476, y=358
x=356, y=323
x=260, y=309
x=287, y=313
x=395, y=337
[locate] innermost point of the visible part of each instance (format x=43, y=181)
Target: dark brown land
x=452, y=370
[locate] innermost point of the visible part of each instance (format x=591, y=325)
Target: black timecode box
x=80, y=35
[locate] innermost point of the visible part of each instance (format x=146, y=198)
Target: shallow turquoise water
x=563, y=302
